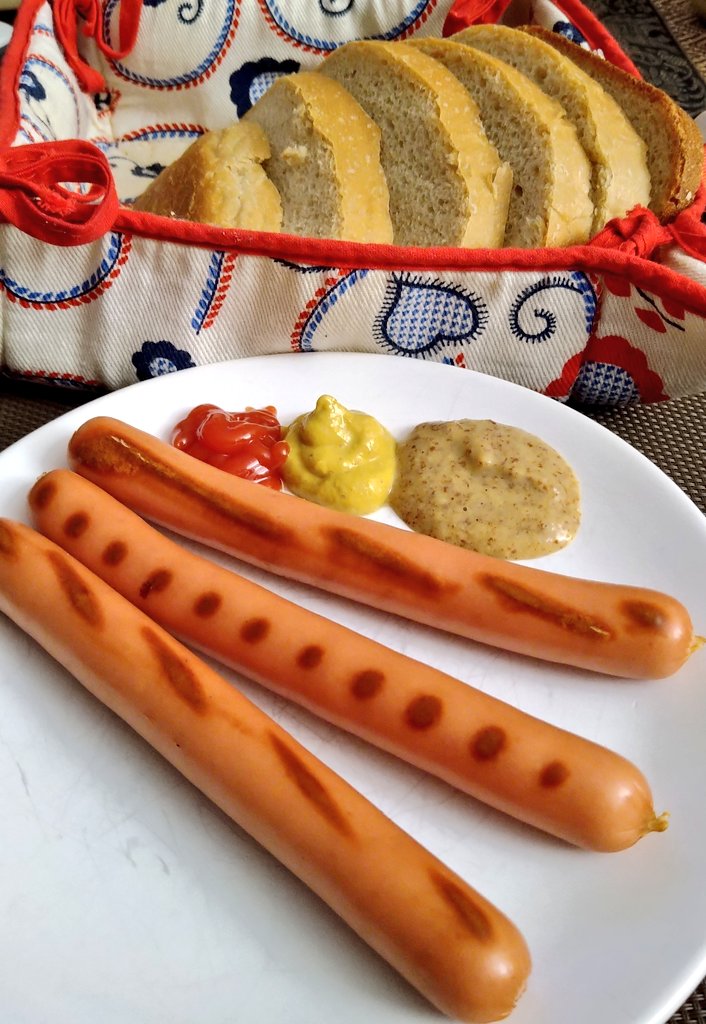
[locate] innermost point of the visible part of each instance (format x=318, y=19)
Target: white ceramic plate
x=126, y=897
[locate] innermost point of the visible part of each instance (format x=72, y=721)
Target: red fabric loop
x=638, y=234
x=66, y=15
x=34, y=196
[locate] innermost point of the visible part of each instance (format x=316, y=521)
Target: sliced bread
x=324, y=161
x=620, y=179
x=675, y=150
x=550, y=203
x=448, y=187
x=219, y=180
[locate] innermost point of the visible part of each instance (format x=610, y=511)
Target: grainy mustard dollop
x=340, y=458
x=486, y=486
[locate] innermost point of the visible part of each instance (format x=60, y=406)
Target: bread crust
x=674, y=186
x=219, y=180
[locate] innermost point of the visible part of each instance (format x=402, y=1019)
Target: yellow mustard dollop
x=340, y=458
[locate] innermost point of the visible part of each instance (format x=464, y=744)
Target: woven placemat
x=19, y=416
x=672, y=435
x=667, y=41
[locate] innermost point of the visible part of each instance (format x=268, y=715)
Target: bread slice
x=447, y=184
x=325, y=160
x=550, y=203
x=620, y=179
x=675, y=150
x=218, y=180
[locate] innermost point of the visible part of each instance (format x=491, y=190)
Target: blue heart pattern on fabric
x=421, y=318
x=616, y=373
x=604, y=384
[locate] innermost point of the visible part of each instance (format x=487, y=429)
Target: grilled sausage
x=445, y=938
x=619, y=630
x=543, y=775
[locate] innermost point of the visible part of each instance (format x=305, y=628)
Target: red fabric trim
x=351, y=255
x=596, y=34
x=66, y=18
x=470, y=12
x=66, y=14
x=10, y=68
x=33, y=196
x=128, y=28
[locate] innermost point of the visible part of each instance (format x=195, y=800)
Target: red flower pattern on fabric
x=611, y=371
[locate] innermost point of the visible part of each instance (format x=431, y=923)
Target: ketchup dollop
x=247, y=444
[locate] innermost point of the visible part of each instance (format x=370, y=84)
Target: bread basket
x=95, y=296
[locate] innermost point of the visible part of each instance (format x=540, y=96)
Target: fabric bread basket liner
x=99, y=95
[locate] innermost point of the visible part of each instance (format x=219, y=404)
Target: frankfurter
x=446, y=939
x=620, y=630
x=543, y=775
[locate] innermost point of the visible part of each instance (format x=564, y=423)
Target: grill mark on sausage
x=310, y=656
x=517, y=598
x=467, y=911
x=488, y=743
x=156, y=582
x=76, y=524
x=79, y=594
x=8, y=545
x=42, y=493
x=553, y=775
x=367, y=684
x=118, y=456
x=254, y=630
x=207, y=604
x=179, y=676
x=360, y=552
x=645, y=615
x=423, y=712
x=114, y=553
x=310, y=786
